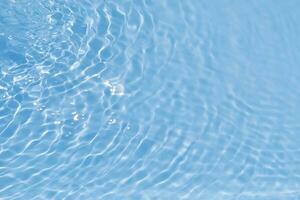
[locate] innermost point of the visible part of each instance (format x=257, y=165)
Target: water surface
x=149, y=100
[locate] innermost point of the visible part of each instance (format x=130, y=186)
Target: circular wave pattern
x=149, y=100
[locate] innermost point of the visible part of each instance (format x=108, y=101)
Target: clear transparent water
x=149, y=99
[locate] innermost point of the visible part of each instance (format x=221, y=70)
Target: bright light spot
x=75, y=116
x=115, y=89
x=112, y=121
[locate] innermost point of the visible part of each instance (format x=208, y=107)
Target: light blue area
x=144, y=99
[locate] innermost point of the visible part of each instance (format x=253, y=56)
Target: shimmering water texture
x=154, y=100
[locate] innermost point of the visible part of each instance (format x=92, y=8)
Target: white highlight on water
x=115, y=89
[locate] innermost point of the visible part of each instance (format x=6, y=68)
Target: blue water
x=144, y=99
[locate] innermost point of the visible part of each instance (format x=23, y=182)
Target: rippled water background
x=145, y=99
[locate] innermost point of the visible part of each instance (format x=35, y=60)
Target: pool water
x=144, y=99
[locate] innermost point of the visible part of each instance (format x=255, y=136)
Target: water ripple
x=149, y=100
